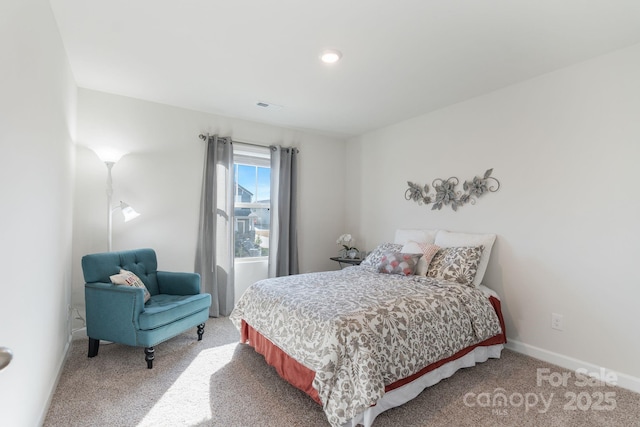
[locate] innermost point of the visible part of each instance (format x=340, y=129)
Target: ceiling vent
x=269, y=106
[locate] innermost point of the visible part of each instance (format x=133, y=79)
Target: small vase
x=352, y=253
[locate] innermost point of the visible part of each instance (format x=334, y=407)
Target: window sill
x=249, y=260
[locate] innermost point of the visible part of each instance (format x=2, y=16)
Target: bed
x=368, y=338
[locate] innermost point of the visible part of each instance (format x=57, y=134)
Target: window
x=252, y=189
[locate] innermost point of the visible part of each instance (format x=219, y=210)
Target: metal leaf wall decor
x=446, y=193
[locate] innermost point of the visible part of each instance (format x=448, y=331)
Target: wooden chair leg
x=200, y=331
x=149, y=353
x=94, y=346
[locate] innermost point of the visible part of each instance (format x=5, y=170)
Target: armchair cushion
x=163, y=309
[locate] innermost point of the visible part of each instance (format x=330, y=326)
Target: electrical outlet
x=556, y=321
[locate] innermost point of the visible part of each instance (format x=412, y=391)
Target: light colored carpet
x=218, y=382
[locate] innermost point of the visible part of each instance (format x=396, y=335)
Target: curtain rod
x=272, y=147
x=204, y=138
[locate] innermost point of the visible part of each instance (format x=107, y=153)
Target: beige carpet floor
x=218, y=382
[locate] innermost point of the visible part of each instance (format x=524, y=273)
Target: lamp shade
x=128, y=212
x=109, y=154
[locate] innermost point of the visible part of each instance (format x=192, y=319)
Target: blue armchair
x=119, y=314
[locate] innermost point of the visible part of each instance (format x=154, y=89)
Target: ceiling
x=401, y=58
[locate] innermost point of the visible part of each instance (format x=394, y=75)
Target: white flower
x=344, y=239
x=347, y=241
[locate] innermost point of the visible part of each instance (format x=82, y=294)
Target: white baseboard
x=623, y=380
x=52, y=390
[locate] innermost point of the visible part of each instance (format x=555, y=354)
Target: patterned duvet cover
x=360, y=330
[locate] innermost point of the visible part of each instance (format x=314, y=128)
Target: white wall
x=565, y=147
x=162, y=177
x=37, y=122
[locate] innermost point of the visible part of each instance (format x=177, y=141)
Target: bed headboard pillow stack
x=403, y=236
x=431, y=244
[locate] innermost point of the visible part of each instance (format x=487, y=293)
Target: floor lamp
x=128, y=212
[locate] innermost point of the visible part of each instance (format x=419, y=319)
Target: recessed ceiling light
x=330, y=56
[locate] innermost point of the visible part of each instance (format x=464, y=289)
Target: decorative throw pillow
x=427, y=250
x=456, y=264
x=127, y=278
x=373, y=259
x=449, y=239
x=398, y=263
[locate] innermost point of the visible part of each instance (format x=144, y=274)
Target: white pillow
x=448, y=239
x=413, y=247
x=127, y=278
x=420, y=236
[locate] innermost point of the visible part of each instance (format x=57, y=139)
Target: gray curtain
x=215, y=252
x=283, y=239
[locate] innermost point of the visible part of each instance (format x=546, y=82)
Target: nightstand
x=347, y=261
